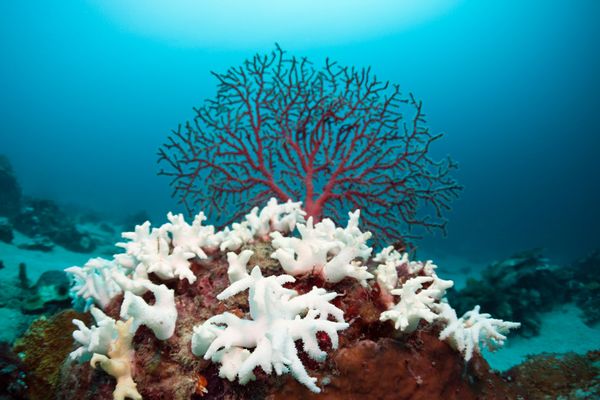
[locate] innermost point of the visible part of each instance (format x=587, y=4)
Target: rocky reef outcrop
x=527, y=284
x=10, y=190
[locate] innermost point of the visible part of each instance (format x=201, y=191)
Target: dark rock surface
x=525, y=285
x=6, y=230
x=43, y=218
x=10, y=190
x=49, y=294
x=12, y=375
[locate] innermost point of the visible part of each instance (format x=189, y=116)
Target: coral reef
x=45, y=220
x=558, y=376
x=252, y=314
x=49, y=294
x=23, y=302
x=336, y=137
x=525, y=285
x=418, y=368
x=43, y=350
x=12, y=375
x=584, y=284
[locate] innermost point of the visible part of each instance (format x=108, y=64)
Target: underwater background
x=90, y=90
x=89, y=93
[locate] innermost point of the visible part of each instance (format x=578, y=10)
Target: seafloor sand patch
x=37, y=261
x=562, y=331
x=58, y=258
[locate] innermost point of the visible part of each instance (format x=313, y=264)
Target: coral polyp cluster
x=238, y=312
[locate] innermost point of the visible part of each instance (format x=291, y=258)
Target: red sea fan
x=335, y=138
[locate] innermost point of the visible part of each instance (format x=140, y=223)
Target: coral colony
x=336, y=138
x=195, y=310
x=282, y=328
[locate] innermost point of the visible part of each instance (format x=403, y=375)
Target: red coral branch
x=336, y=138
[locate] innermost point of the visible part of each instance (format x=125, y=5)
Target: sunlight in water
x=245, y=23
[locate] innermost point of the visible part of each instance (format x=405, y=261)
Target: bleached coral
x=279, y=317
x=119, y=363
x=238, y=265
x=93, y=282
x=386, y=273
x=416, y=303
x=96, y=339
x=467, y=332
x=259, y=223
x=325, y=249
x=160, y=317
x=192, y=238
x=428, y=268
x=275, y=217
x=153, y=251
x=235, y=237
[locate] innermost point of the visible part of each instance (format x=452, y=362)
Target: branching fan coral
x=336, y=138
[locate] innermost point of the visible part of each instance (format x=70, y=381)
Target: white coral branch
x=416, y=303
x=325, y=249
x=467, y=332
x=160, y=317
x=279, y=317
x=93, y=282
x=96, y=339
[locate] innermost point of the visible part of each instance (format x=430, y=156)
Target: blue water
x=86, y=100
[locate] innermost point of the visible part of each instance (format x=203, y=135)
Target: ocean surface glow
x=239, y=23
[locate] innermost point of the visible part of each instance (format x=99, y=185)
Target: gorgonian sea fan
x=335, y=138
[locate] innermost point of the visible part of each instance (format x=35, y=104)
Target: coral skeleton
x=160, y=317
x=325, y=249
x=467, y=332
x=190, y=238
x=96, y=339
x=93, y=283
x=279, y=317
x=166, y=251
x=238, y=265
x=275, y=217
x=386, y=273
x=416, y=302
x=235, y=237
x=118, y=363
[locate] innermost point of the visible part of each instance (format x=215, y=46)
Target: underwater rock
x=37, y=243
x=12, y=375
x=320, y=330
x=424, y=366
x=420, y=367
x=12, y=294
x=518, y=288
x=6, y=230
x=44, y=219
x=43, y=350
x=10, y=191
x=129, y=222
x=558, y=376
x=585, y=286
x=49, y=294
x=525, y=285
